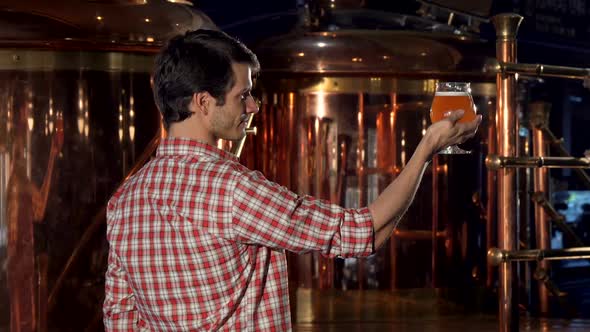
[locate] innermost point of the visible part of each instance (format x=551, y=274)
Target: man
x=197, y=241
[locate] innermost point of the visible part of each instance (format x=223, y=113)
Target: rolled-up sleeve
x=119, y=311
x=271, y=215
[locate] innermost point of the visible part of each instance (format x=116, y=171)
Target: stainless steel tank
x=342, y=113
x=76, y=112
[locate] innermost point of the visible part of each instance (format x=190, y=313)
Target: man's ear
x=201, y=102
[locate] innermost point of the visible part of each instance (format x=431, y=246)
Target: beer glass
x=452, y=96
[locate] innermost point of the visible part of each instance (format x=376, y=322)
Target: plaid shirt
x=197, y=242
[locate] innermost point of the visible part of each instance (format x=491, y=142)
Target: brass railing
x=528, y=69
x=505, y=160
x=495, y=162
x=497, y=256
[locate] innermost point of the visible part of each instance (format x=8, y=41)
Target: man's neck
x=184, y=130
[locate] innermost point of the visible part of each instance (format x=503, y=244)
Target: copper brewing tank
x=76, y=73
x=342, y=113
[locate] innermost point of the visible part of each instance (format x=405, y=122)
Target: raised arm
x=267, y=214
x=394, y=201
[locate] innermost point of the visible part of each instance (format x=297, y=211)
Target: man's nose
x=252, y=105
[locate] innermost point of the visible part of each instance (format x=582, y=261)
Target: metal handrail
x=557, y=143
x=497, y=256
x=536, y=69
x=558, y=219
x=495, y=162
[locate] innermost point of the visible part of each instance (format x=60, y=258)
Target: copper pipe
x=476, y=200
x=495, y=162
x=42, y=266
x=269, y=130
x=305, y=263
x=284, y=141
x=540, y=112
x=362, y=177
x=528, y=69
x=321, y=129
x=393, y=145
x=402, y=234
x=291, y=142
x=393, y=256
x=506, y=29
x=498, y=256
x=98, y=220
x=435, y=219
x=343, y=146
x=491, y=183
x=392, y=126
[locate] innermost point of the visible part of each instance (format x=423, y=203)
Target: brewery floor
x=405, y=311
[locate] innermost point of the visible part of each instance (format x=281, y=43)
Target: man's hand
x=448, y=132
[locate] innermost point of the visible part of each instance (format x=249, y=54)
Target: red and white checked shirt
x=197, y=243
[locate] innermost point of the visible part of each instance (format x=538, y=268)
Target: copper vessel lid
x=368, y=41
x=98, y=24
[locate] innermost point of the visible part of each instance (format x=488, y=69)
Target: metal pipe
x=435, y=219
x=495, y=162
x=491, y=193
x=539, y=113
x=236, y=149
x=528, y=69
x=361, y=262
x=506, y=26
x=539, y=198
x=558, y=145
x=393, y=257
x=42, y=266
x=402, y=234
x=558, y=219
x=498, y=256
x=393, y=148
x=542, y=276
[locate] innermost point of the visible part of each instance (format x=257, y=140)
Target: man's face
x=229, y=121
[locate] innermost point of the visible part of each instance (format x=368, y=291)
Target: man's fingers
x=467, y=130
x=470, y=127
x=454, y=116
x=478, y=119
x=476, y=123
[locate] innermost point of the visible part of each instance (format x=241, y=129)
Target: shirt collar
x=187, y=146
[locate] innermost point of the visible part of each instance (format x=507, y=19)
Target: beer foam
x=451, y=93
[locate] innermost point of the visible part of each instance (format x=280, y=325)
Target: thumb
x=455, y=115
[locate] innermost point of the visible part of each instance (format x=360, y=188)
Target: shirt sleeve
x=268, y=214
x=119, y=310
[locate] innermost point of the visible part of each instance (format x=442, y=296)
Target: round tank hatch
x=98, y=24
x=397, y=53
x=356, y=51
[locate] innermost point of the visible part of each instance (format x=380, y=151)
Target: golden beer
x=445, y=101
